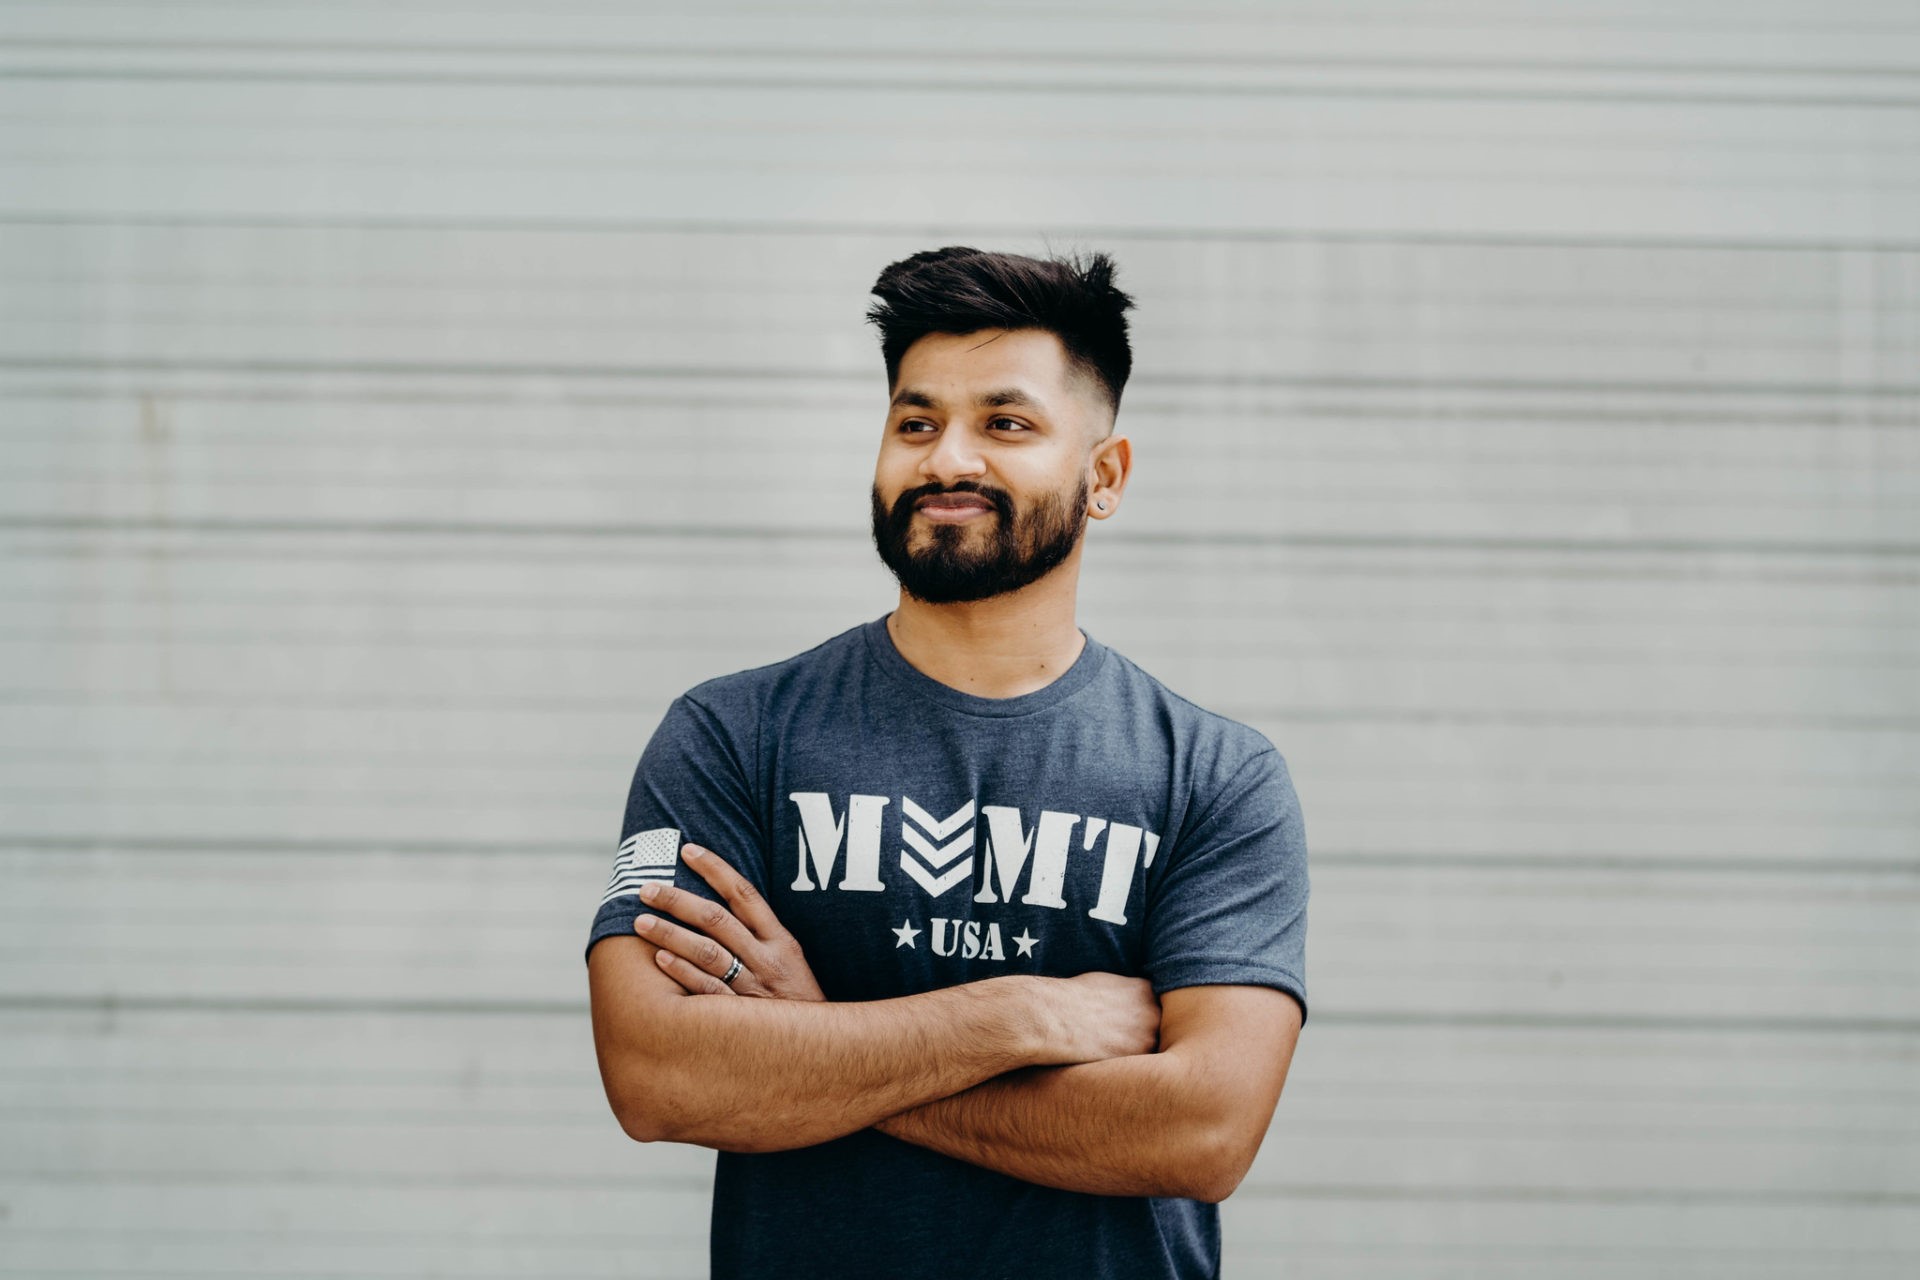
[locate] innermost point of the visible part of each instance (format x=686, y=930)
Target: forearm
x=1145, y=1125
x=770, y=1075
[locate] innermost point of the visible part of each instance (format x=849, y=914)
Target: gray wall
x=402, y=402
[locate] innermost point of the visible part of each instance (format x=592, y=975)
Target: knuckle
x=713, y=916
x=710, y=953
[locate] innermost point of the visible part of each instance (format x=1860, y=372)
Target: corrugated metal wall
x=402, y=401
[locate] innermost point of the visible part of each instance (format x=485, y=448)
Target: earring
x=1101, y=505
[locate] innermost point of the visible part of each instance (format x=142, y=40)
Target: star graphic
x=906, y=933
x=1024, y=941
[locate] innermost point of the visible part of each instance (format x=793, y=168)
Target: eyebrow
x=986, y=399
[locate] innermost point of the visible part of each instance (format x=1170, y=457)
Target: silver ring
x=733, y=971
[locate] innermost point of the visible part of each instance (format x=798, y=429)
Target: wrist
x=1037, y=1026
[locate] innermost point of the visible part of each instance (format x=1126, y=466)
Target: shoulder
x=721, y=717
x=1216, y=745
x=1236, y=780
x=742, y=696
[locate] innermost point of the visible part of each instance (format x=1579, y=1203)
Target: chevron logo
x=940, y=844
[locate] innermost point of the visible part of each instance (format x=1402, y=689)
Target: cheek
x=1054, y=482
x=891, y=482
x=893, y=470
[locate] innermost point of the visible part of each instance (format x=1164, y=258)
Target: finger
x=751, y=909
x=687, y=978
x=701, y=952
x=704, y=914
x=698, y=981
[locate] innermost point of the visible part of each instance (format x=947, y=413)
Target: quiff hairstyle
x=960, y=290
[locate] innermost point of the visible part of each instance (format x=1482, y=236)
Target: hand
x=772, y=965
x=1103, y=1015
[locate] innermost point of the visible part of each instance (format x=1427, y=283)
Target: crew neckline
x=1093, y=656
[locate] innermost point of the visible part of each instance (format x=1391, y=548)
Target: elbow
x=1215, y=1185
x=642, y=1124
x=651, y=1126
x=646, y=1095
x=655, y=1086
x=1218, y=1163
x=656, y=1111
x=638, y=1112
x=657, y=1098
x=659, y=1113
x=640, y=1128
x=1224, y=1137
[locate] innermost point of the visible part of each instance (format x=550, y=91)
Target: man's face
x=981, y=483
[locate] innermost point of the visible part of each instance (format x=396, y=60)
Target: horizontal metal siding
x=402, y=403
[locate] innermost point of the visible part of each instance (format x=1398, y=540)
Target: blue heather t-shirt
x=913, y=837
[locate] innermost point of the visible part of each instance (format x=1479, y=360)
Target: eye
x=913, y=424
x=1015, y=423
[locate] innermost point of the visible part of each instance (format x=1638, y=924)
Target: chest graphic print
x=983, y=853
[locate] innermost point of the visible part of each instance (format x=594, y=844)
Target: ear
x=1109, y=466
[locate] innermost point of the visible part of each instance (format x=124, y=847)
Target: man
x=1026, y=928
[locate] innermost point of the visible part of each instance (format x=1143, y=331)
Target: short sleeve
x=692, y=785
x=1232, y=905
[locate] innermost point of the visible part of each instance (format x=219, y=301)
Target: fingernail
x=649, y=892
x=692, y=851
x=644, y=923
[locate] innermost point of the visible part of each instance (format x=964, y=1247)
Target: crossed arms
x=1052, y=1080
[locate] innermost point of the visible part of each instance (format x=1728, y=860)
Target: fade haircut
x=960, y=289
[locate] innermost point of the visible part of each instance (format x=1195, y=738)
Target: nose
x=955, y=456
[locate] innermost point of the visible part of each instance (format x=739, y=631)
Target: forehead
x=959, y=364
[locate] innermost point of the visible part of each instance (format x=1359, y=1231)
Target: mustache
x=903, y=505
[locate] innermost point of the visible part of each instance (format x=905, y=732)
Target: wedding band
x=733, y=971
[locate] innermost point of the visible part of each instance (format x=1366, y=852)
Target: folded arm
x=1186, y=1121
x=774, y=1074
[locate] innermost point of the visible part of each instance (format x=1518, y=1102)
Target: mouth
x=953, y=508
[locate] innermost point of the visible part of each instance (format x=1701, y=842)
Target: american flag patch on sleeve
x=643, y=857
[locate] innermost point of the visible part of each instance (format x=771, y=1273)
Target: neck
x=1002, y=647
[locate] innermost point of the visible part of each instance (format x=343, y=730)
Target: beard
x=959, y=563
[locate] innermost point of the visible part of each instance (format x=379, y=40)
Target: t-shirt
x=912, y=836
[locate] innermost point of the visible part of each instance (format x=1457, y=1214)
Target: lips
x=953, y=502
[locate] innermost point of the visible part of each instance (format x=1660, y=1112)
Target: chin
x=928, y=535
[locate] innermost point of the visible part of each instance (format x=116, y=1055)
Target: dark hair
x=960, y=289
